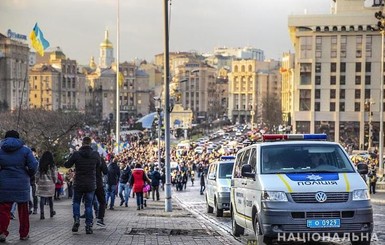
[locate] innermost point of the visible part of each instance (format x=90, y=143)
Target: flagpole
x=117, y=131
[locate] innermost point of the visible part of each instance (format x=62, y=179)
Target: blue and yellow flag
x=37, y=40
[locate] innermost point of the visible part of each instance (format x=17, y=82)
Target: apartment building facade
x=14, y=63
x=251, y=84
x=337, y=73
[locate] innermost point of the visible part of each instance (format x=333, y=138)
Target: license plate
x=323, y=223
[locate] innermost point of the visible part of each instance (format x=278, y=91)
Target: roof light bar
x=278, y=137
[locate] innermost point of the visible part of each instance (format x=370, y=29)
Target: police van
x=218, y=185
x=299, y=185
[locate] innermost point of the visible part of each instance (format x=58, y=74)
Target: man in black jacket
x=155, y=181
x=112, y=182
x=86, y=162
x=124, y=185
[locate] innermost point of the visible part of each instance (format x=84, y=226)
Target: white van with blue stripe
x=299, y=184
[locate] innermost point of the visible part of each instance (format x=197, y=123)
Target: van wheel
x=261, y=239
x=218, y=211
x=209, y=208
x=236, y=229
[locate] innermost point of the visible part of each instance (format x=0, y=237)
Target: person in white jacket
x=46, y=178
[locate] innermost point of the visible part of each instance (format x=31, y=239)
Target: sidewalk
x=378, y=198
x=124, y=226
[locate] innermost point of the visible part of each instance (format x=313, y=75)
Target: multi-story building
x=14, y=59
x=57, y=84
x=197, y=84
x=252, y=84
x=287, y=75
x=337, y=73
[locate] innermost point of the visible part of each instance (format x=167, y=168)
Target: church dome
x=106, y=43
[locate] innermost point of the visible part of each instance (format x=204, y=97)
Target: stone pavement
x=378, y=198
x=124, y=226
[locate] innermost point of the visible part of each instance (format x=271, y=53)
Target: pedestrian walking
x=203, y=182
x=86, y=162
x=69, y=179
x=155, y=181
x=33, y=202
x=372, y=175
x=46, y=178
x=100, y=195
x=137, y=182
x=124, y=185
x=112, y=182
x=17, y=166
x=58, y=186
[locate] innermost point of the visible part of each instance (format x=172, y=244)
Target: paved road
x=195, y=203
x=124, y=226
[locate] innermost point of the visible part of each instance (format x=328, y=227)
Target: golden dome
x=106, y=43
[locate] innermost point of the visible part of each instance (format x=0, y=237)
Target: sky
x=77, y=26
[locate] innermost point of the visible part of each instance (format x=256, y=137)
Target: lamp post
x=381, y=28
x=166, y=77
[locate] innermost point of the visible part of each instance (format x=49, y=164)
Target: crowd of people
x=97, y=174
x=29, y=182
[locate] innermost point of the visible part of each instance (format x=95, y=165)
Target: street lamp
x=381, y=28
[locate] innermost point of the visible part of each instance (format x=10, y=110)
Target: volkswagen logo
x=321, y=196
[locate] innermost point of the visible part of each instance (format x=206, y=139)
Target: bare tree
x=272, y=113
x=45, y=130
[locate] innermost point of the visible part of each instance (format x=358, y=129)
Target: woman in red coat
x=58, y=186
x=137, y=181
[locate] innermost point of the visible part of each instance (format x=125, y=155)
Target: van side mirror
x=362, y=168
x=246, y=171
x=211, y=177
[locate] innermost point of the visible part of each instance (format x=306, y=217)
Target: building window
x=342, y=94
x=342, y=67
x=368, y=67
x=358, y=46
x=306, y=47
x=342, y=80
x=332, y=106
x=357, y=94
x=357, y=106
x=317, y=93
x=333, y=80
x=333, y=67
x=367, y=80
x=317, y=106
x=358, y=66
x=332, y=93
x=304, y=100
x=368, y=47
x=342, y=106
x=318, y=67
x=367, y=93
x=343, y=46
x=358, y=80
x=317, y=80
x=318, y=47
x=333, y=51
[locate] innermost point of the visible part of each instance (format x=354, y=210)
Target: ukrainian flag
x=37, y=40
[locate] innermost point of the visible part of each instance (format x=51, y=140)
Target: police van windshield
x=304, y=159
x=225, y=170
